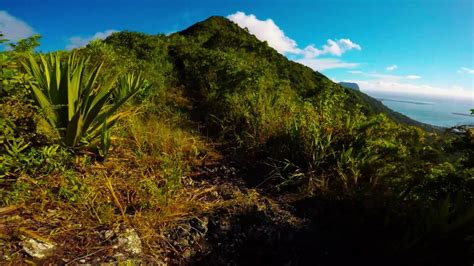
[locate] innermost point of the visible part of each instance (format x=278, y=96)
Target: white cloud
x=311, y=52
x=339, y=47
x=13, y=28
x=391, y=68
x=412, y=77
x=266, y=30
x=347, y=44
x=77, y=41
x=465, y=70
x=403, y=87
x=386, y=77
x=336, y=48
x=319, y=64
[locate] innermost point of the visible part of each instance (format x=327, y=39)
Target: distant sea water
x=434, y=110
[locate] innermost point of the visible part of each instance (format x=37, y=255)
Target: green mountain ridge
x=214, y=33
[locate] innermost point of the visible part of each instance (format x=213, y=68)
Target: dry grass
x=144, y=185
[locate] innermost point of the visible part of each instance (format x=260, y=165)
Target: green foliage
x=76, y=105
x=279, y=111
x=12, y=151
x=71, y=187
x=13, y=81
x=21, y=139
x=138, y=52
x=2, y=39
x=104, y=140
x=26, y=45
x=18, y=193
x=18, y=156
x=130, y=85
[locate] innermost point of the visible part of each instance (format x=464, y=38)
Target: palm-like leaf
x=73, y=100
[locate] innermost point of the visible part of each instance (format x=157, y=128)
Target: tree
x=27, y=44
x=2, y=38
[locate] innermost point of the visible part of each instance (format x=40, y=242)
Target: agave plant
x=129, y=84
x=75, y=102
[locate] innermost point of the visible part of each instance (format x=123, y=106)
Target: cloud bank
x=465, y=70
x=77, y=41
x=375, y=82
x=404, y=87
x=385, y=77
x=267, y=30
x=14, y=28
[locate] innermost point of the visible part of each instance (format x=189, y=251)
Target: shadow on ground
x=317, y=232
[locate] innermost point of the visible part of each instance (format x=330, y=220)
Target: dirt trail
x=262, y=227
x=257, y=227
x=254, y=229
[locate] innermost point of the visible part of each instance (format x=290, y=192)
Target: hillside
x=218, y=33
x=208, y=147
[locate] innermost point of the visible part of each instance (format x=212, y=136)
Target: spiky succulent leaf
x=76, y=104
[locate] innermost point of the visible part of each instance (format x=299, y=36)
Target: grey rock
x=37, y=249
x=108, y=234
x=130, y=242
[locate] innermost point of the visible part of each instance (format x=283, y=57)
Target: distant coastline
x=404, y=101
x=444, y=112
x=468, y=115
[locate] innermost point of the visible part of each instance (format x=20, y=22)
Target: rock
x=225, y=225
x=37, y=249
x=119, y=256
x=108, y=234
x=130, y=242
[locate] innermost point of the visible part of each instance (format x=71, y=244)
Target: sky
x=421, y=47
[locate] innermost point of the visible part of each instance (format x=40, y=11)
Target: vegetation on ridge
x=366, y=182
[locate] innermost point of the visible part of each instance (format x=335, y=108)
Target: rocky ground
x=250, y=224
x=247, y=224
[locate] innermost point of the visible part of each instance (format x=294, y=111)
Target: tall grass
x=254, y=118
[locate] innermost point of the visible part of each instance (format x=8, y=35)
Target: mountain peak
x=210, y=25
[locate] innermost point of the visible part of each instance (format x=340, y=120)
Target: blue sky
x=410, y=46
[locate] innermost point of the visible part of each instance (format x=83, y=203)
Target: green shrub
x=18, y=156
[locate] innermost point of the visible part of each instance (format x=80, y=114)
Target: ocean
x=434, y=110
